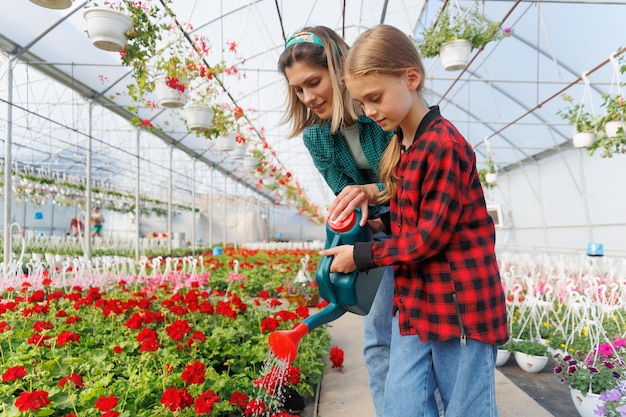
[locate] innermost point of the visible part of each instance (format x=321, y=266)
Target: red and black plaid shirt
x=447, y=282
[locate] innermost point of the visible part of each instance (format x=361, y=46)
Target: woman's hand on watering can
x=351, y=197
x=343, y=260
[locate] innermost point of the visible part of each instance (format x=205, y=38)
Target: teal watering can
x=353, y=292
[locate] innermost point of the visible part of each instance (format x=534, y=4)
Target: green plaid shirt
x=333, y=159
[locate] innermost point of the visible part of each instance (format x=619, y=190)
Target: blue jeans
x=464, y=377
x=377, y=339
x=411, y=381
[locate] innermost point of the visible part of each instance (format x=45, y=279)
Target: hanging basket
x=199, y=118
x=226, y=143
x=250, y=162
x=613, y=126
x=53, y=4
x=239, y=151
x=169, y=97
x=491, y=177
x=107, y=28
x=585, y=404
x=583, y=139
x=454, y=55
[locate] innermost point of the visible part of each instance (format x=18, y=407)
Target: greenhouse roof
x=505, y=101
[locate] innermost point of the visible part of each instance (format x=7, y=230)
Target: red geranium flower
x=13, y=373
x=239, y=398
x=194, y=373
x=204, y=402
x=67, y=337
x=178, y=329
x=74, y=378
x=176, y=399
x=268, y=324
x=105, y=403
x=336, y=357
x=30, y=401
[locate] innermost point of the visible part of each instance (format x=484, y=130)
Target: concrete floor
x=345, y=393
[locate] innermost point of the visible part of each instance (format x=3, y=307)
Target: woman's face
x=313, y=87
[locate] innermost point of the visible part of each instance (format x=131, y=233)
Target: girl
x=346, y=148
x=447, y=283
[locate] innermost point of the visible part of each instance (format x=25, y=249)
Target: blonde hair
x=384, y=50
x=331, y=57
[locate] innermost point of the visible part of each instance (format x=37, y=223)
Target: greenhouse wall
x=561, y=203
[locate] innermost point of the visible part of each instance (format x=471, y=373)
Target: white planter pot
x=454, y=55
x=491, y=177
x=585, y=404
x=107, y=28
x=239, y=151
x=530, y=363
x=199, y=118
x=168, y=97
x=503, y=357
x=269, y=181
x=250, y=163
x=53, y=4
x=611, y=128
x=583, y=139
x=226, y=143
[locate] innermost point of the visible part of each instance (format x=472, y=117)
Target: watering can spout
x=284, y=343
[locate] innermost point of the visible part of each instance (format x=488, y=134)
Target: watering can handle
x=325, y=286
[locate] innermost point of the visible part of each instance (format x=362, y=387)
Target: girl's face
x=313, y=87
x=386, y=99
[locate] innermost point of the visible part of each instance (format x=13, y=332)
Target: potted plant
x=241, y=145
x=503, y=355
x=148, y=25
x=252, y=160
x=488, y=175
x=302, y=289
x=108, y=26
x=530, y=355
x=611, y=135
x=594, y=372
x=198, y=111
x=223, y=127
x=583, y=122
x=468, y=30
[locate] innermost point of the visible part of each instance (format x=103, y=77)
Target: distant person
x=96, y=222
x=75, y=228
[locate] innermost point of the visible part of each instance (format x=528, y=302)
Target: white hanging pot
x=491, y=177
x=269, y=180
x=250, y=162
x=226, y=143
x=530, y=363
x=239, y=151
x=502, y=357
x=583, y=139
x=454, y=55
x=53, y=4
x=612, y=126
x=585, y=404
x=169, y=97
x=199, y=118
x=107, y=28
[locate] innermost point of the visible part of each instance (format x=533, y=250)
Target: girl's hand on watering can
x=351, y=197
x=343, y=260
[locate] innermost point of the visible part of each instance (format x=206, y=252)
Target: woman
x=346, y=148
x=447, y=284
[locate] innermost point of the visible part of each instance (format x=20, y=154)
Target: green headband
x=307, y=37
